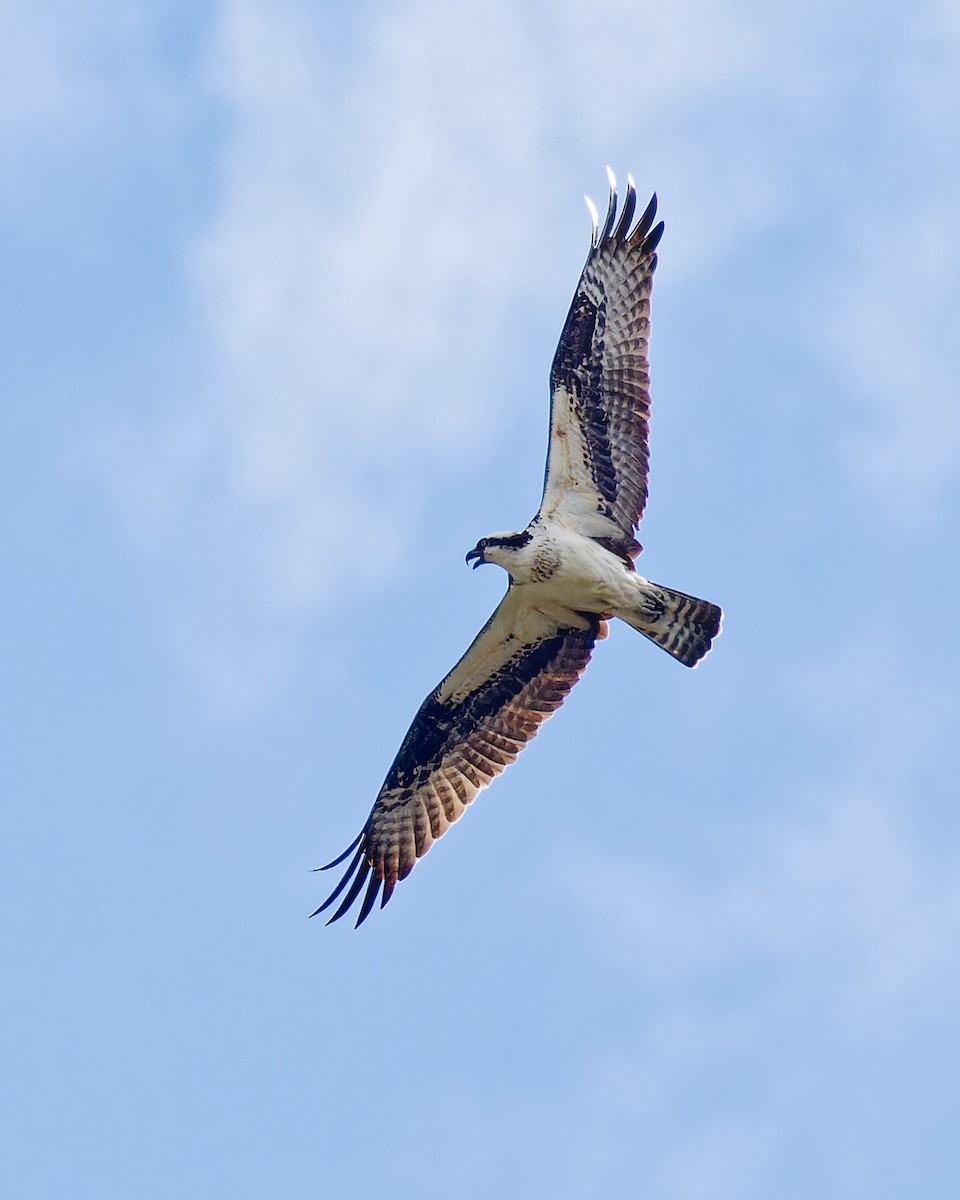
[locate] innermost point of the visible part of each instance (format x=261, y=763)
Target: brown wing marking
x=455, y=747
x=598, y=458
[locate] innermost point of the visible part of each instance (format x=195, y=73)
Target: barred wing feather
x=596, y=475
x=517, y=672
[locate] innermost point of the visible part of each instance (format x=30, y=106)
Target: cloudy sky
x=281, y=284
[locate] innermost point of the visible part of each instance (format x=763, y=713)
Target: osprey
x=570, y=571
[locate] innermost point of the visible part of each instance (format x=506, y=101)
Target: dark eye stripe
x=514, y=541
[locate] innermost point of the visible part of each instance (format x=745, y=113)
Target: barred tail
x=683, y=625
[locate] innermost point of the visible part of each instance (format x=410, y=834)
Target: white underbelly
x=587, y=578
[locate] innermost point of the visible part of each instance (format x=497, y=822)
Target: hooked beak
x=476, y=554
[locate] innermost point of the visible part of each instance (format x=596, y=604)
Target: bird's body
x=561, y=574
x=571, y=570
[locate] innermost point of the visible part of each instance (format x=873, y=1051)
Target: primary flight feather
x=569, y=572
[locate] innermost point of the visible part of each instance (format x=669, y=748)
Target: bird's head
x=498, y=548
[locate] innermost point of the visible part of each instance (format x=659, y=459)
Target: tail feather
x=683, y=625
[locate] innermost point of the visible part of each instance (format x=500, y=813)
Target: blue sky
x=281, y=287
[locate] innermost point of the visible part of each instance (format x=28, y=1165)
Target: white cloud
x=889, y=319
x=767, y=987
x=75, y=77
x=803, y=950
x=343, y=294
x=835, y=893
x=363, y=263
x=892, y=326
x=382, y=228
x=46, y=76
x=841, y=913
x=875, y=700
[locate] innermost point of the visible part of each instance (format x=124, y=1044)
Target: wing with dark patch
x=517, y=672
x=597, y=461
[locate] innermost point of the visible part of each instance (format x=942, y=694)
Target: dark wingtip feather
x=642, y=227
x=626, y=214
x=354, y=863
x=652, y=240
x=349, y=850
x=373, y=887
x=361, y=878
x=388, y=886
x=611, y=207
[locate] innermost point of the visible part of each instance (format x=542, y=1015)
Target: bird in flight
x=570, y=571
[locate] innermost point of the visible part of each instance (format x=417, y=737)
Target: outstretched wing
x=517, y=672
x=596, y=475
